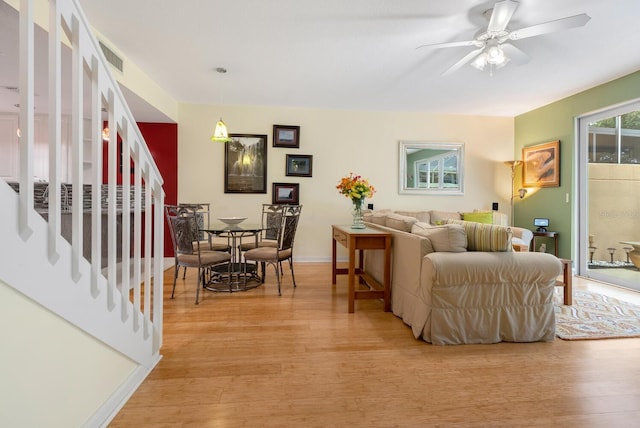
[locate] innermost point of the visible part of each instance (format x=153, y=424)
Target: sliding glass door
x=609, y=196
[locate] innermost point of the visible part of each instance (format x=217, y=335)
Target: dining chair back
x=271, y=218
x=289, y=226
x=202, y=212
x=183, y=227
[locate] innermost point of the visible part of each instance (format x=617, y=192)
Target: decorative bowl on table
x=231, y=221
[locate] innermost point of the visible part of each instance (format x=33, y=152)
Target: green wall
x=556, y=121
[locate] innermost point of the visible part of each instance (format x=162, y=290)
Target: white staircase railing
x=127, y=288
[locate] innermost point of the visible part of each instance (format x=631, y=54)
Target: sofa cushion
x=419, y=226
x=485, y=237
x=400, y=222
x=485, y=217
x=376, y=217
x=422, y=216
x=449, y=238
x=498, y=217
x=441, y=217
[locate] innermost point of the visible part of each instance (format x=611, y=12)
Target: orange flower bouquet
x=357, y=189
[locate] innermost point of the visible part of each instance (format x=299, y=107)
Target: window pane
x=603, y=146
x=434, y=171
x=450, y=178
x=422, y=174
x=630, y=150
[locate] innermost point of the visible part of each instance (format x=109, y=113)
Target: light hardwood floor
x=253, y=359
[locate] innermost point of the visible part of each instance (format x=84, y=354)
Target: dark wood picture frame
x=299, y=165
x=245, y=164
x=286, y=136
x=286, y=193
x=541, y=165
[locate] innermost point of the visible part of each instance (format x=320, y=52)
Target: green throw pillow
x=486, y=237
x=478, y=217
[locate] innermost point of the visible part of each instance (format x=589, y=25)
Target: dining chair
x=268, y=237
x=183, y=227
x=202, y=212
x=285, y=236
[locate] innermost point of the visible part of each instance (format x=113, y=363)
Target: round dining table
x=239, y=278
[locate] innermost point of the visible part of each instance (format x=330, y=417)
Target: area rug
x=595, y=316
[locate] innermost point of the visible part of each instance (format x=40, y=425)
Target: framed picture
x=541, y=165
x=245, y=164
x=286, y=193
x=299, y=165
x=286, y=136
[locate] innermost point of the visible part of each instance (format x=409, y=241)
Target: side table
x=566, y=281
x=362, y=239
x=553, y=235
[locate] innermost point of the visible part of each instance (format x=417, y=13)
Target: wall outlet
x=370, y=206
x=494, y=206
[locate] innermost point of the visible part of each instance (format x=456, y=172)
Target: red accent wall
x=162, y=140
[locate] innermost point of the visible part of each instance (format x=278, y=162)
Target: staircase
x=106, y=277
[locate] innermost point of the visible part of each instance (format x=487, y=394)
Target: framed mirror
x=431, y=167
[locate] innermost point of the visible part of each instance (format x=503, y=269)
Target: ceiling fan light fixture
x=492, y=55
x=495, y=55
x=502, y=64
x=480, y=61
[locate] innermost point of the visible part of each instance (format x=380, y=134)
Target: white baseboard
x=110, y=408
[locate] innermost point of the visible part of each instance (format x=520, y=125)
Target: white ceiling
x=361, y=54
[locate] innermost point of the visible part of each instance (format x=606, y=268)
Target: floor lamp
x=513, y=165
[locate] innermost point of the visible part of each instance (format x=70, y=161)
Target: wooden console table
x=363, y=239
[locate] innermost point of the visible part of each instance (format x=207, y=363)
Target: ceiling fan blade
x=462, y=62
x=453, y=44
x=514, y=54
x=501, y=15
x=550, y=27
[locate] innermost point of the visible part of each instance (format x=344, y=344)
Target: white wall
x=340, y=141
x=53, y=374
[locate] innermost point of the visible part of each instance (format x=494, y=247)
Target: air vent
x=111, y=56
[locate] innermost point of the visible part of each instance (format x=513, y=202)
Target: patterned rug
x=595, y=316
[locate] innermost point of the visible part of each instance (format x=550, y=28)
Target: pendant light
x=220, y=133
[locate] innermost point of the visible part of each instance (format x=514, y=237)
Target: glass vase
x=358, y=221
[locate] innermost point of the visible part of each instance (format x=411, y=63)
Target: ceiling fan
x=492, y=47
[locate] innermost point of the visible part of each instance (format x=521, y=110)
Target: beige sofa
x=451, y=293
x=521, y=238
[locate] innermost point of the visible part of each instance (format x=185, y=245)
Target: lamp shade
x=522, y=192
x=220, y=134
x=493, y=55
